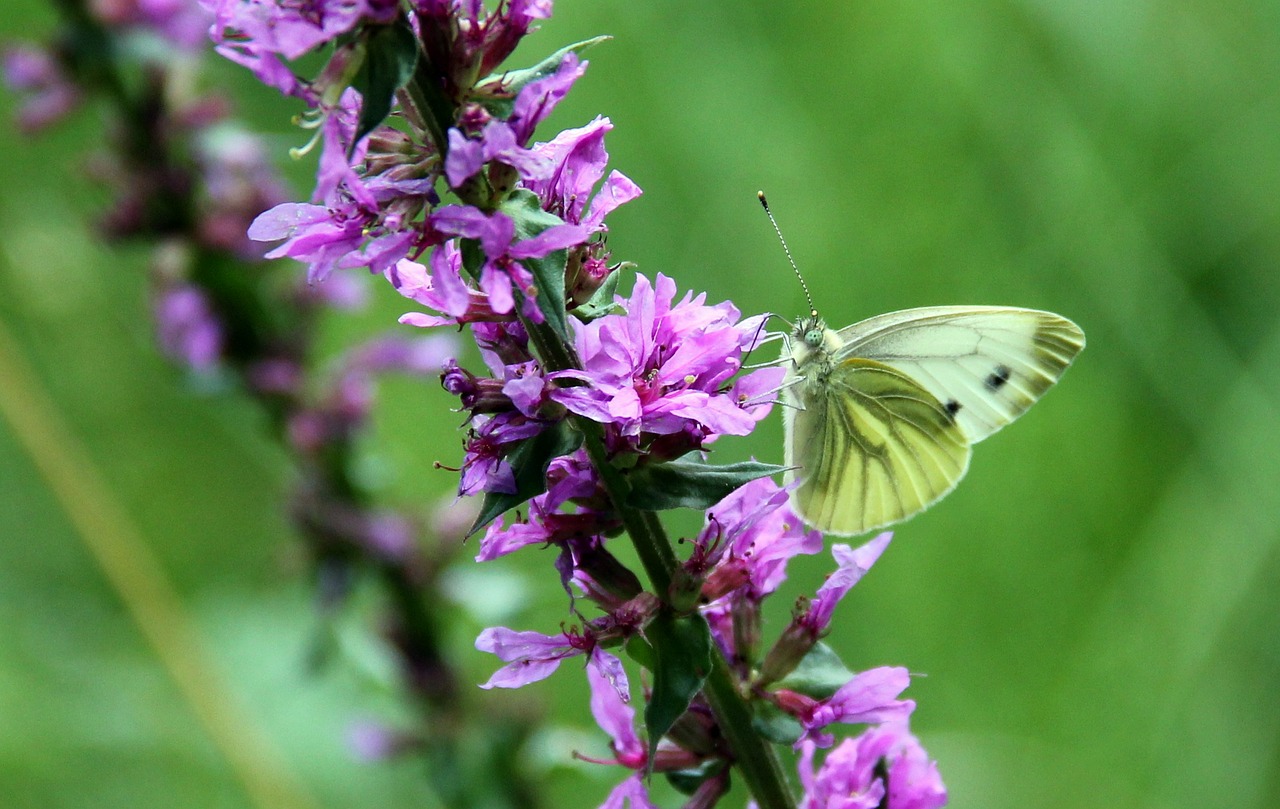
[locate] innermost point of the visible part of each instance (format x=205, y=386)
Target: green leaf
x=775, y=724
x=691, y=484
x=820, y=674
x=525, y=210
x=529, y=463
x=390, y=54
x=473, y=257
x=639, y=650
x=601, y=303
x=682, y=648
x=687, y=781
x=497, y=93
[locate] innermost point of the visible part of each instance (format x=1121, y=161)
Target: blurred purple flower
x=237, y=182
x=179, y=22
x=630, y=794
x=49, y=93
x=291, y=28
x=187, y=329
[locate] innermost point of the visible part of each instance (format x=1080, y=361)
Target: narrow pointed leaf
x=819, y=675
x=775, y=724
x=602, y=302
x=529, y=463
x=391, y=52
x=682, y=648
x=691, y=484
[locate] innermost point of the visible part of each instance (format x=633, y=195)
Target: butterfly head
x=810, y=330
x=812, y=340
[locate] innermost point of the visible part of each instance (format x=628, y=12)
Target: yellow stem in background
x=133, y=570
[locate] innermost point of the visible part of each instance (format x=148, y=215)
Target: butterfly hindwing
x=985, y=364
x=871, y=447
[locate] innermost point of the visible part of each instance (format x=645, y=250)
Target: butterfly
x=883, y=413
x=881, y=416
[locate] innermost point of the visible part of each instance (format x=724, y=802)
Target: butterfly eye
x=813, y=338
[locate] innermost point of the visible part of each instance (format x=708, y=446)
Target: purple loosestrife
x=594, y=411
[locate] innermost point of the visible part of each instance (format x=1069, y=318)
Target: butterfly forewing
x=871, y=447
x=985, y=364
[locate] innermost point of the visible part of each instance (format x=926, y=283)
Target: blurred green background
x=1094, y=613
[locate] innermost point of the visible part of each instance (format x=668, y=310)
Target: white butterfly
x=883, y=412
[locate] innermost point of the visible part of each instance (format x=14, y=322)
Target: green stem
x=756, y=759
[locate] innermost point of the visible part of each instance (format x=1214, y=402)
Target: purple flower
x=630, y=794
x=354, y=220
x=188, y=330
x=267, y=67
x=532, y=656
x=755, y=532
x=578, y=159
x=538, y=98
x=884, y=767
x=615, y=716
x=497, y=143
x=342, y=234
x=502, y=271
x=868, y=697
x=811, y=620
x=484, y=466
x=543, y=527
x=442, y=289
x=480, y=40
x=662, y=369
x=50, y=93
x=853, y=565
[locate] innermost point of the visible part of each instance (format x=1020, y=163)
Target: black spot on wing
x=998, y=378
x=951, y=407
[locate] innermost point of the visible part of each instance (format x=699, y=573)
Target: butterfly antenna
x=764, y=202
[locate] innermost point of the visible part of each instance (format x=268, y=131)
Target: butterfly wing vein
x=885, y=423
x=873, y=447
